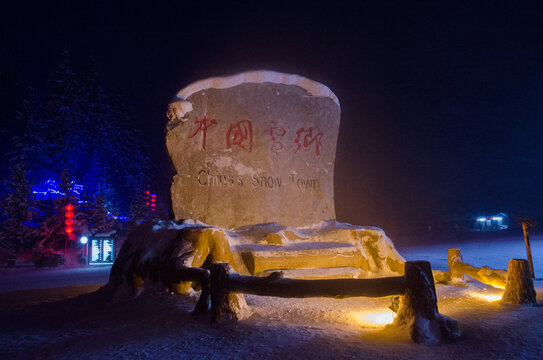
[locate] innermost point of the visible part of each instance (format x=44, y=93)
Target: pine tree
x=103, y=135
x=139, y=210
x=29, y=147
x=10, y=100
x=16, y=233
x=136, y=163
x=52, y=228
x=98, y=219
x=62, y=115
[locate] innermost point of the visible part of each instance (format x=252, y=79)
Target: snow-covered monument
x=253, y=200
x=254, y=155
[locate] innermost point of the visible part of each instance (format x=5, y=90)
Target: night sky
x=442, y=102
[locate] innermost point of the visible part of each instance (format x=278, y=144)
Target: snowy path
x=32, y=278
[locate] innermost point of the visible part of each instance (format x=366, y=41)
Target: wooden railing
x=484, y=274
x=418, y=309
x=516, y=280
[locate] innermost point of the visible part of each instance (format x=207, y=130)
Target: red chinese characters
x=203, y=125
x=276, y=132
x=305, y=138
x=240, y=134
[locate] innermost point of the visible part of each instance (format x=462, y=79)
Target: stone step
x=303, y=255
x=321, y=273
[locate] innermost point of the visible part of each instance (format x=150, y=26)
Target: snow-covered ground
x=160, y=325
x=493, y=252
x=12, y=279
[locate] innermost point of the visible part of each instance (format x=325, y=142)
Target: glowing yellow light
x=375, y=318
x=497, y=286
x=487, y=297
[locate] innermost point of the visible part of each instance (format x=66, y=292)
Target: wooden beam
x=486, y=275
x=275, y=285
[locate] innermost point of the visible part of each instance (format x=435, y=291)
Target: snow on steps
x=305, y=255
x=319, y=274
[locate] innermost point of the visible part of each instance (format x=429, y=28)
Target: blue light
x=51, y=190
x=83, y=240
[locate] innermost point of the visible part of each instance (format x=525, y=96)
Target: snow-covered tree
x=117, y=163
x=98, y=219
x=29, y=146
x=81, y=128
x=10, y=99
x=52, y=228
x=16, y=234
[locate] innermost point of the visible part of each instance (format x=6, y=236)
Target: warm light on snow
x=497, y=286
x=487, y=297
x=375, y=318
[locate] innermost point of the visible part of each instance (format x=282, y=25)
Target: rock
x=254, y=148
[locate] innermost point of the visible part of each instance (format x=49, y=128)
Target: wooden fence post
x=525, y=226
x=225, y=304
x=454, y=256
x=418, y=310
x=520, y=286
x=202, y=306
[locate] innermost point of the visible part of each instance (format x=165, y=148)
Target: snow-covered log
x=275, y=285
x=418, y=310
x=484, y=274
x=520, y=286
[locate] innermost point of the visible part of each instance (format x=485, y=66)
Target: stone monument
x=254, y=155
x=254, y=148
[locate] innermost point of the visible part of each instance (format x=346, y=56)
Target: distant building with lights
x=496, y=222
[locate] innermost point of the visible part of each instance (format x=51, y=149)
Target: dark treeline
x=74, y=132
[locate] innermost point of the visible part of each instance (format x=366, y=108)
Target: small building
x=495, y=222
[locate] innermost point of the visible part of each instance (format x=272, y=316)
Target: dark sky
x=442, y=101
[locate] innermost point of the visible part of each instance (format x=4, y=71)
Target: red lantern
x=68, y=219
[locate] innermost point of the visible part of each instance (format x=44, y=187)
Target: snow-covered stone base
x=156, y=253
